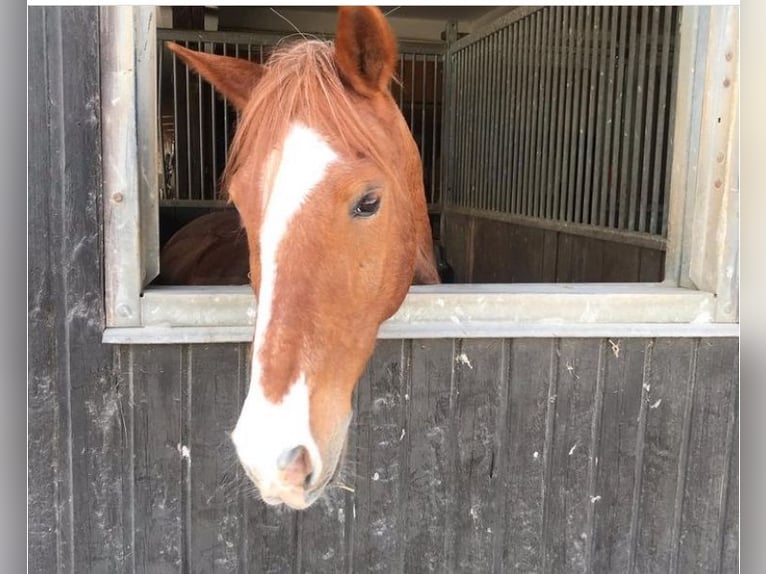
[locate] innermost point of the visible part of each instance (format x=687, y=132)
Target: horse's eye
x=367, y=206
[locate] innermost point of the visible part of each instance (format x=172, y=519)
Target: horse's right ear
x=234, y=78
x=365, y=49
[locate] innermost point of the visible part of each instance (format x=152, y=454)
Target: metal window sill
x=227, y=314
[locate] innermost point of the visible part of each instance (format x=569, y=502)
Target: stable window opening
x=565, y=154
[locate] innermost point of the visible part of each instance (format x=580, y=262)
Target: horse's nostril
x=295, y=466
x=288, y=456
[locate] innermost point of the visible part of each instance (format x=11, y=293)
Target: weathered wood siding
x=526, y=455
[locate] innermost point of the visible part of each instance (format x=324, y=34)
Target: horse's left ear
x=365, y=49
x=234, y=78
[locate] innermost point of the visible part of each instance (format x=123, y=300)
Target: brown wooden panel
x=652, y=266
x=616, y=456
x=272, y=542
x=214, y=479
x=729, y=526
x=550, y=256
x=157, y=374
x=380, y=419
x=661, y=454
x=521, y=468
x=621, y=263
x=503, y=252
x=428, y=441
x=564, y=254
x=566, y=513
x=456, y=240
x=711, y=432
x=593, y=260
x=480, y=414
x=498, y=238
x=48, y=511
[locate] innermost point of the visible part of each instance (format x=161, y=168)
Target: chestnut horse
x=327, y=180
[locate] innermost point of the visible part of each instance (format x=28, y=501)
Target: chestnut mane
x=301, y=83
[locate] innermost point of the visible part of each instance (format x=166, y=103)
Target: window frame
x=698, y=298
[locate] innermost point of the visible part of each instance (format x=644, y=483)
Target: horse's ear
x=365, y=49
x=234, y=78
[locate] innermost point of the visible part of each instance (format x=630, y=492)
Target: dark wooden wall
x=491, y=455
x=482, y=250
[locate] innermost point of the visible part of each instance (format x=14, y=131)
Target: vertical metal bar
x=481, y=116
x=423, y=141
x=613, y=167
x=161, y=58
x=635, y=164
x=537, y=106
x=225, y=118
x=671, y=120
x=495, y=125
x=490, y=122
x=525, y=72
x=581, y=117
x=603, y=117
x=447, y=132
x=563, y=114
x=595, y=47
x=571, y=40
x=528, y=115
x=412, y=93
x=188, y=133
x=487, y=116
x=513, y=135
x=464, y=86
x=534, y=99
x=213, y=140
x=513, y=168
x=488, y=133
x=462, y=135
x=501, y=95
x=649, y=146
x=628, y=123
x=504, y=120
x=544, y=136
x=456, y=83
x=434, y=139
x=461, y=105
x=236, y=111
x=524, y=115
x=473, y=159
x=572, y=191
x=478, y=124
x=520, y=94
x=556, y=21
x=176, y=187
x=401, y=83
x=201, y=48
x=660, y=143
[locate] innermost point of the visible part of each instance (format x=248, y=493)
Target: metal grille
x=196, y=126
x=564, y=114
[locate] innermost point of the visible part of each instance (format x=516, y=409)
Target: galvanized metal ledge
x=227, y=314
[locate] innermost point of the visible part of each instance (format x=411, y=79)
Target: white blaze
x=266, y=429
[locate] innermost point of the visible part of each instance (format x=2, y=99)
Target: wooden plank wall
x=484, y=455
x=484, y=250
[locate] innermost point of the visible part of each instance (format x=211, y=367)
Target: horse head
x=328, y=183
